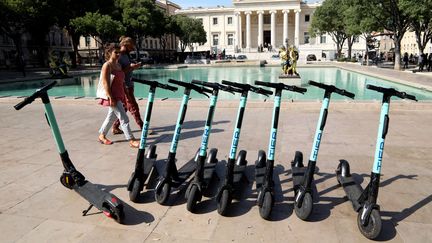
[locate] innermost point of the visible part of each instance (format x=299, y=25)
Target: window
x=307, y=18
x=323, y=39
x=215, y=21
x=230, y=20
x=215, y=40
x=306, y=37
x=230, y=39
x=356, y=39
x=267, y=19
x=87, y=41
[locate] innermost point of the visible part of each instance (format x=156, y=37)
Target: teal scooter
x=303, y=176
x=235, y=167
x=144, y=165
x=205, y=170
x=71, y=178
x=263, y=166
x=364, y=201
x=171, y=176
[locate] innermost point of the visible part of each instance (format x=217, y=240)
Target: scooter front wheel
x=162, y=194
x=267, y=205
x=66, y=180
x=373, y=227
x=193, y=197
x=305, y=210
x=224, y=202
x=136, y=190
x=115, y=213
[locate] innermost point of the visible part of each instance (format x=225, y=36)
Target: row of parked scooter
x=202, y=166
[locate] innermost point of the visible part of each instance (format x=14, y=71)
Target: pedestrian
x=420, y=62
x=112, y=79
x=405, y=60
x=430, y=62
x=128, y=66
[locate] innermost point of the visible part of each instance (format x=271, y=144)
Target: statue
x=59, y=65
x=289, y=61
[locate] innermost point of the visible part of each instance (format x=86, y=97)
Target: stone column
x=260, y=27
x=297, y=28
x=273, y=28
x=285, y=26
x=248, y=29
x=237, y=31
x=240, y=31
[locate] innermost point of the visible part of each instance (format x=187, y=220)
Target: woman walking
x=115, y=96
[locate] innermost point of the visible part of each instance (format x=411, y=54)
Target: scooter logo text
x=234, y=144
x=316, y=145
x=205, y=139
x=380, y=155
x=272, y=144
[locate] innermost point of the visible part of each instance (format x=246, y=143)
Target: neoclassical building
x=248, y=24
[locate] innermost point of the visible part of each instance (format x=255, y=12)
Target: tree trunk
x=397, y=42
x=75, y=41
x=350, y=44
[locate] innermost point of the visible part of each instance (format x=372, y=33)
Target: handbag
x=100, y=92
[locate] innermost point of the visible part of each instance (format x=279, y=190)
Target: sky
x=209, y=3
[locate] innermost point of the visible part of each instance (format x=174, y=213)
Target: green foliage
x=98, y=25
x=190, y=31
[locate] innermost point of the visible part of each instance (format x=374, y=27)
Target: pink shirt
x=117, y=88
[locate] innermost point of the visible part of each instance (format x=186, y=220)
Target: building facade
x=249, y=25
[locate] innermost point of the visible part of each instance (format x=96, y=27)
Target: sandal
x=105, y=141
x=134, y=143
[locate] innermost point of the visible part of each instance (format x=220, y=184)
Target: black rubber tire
x=193, y=198
x=305, y=211
x=261, y=161
x=241, y=158
x=298, y=159
x=68, y=183
x=224, y=202
x=267, y=205
x=115, y=213
x=163, y=195
x=151, y=154
x=135, y=192
x=211, y=157
x=373, y=227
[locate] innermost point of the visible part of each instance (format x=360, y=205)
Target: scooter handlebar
x=217, y=86
x=197, y=88
x=156, y=83
x=332, y=88
x=391, y=91
x=31, y=98
x=282, y=86
x=248, y=87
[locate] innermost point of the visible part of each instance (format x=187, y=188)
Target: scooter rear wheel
x=373, y=227
x=136, y=190
x=162, y=194
x=267, y=205
x=193, y=198
x=115, y=213
x=224, y=202
x=305, y=210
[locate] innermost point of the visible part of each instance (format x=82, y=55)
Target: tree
x=420, y=14
x=164, y=28
x=389, y=15
x=190, y=31
x=98, y=25
x=328, y=18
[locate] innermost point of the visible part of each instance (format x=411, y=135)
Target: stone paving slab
x=35, y=207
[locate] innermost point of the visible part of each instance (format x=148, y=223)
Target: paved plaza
x=35, y=207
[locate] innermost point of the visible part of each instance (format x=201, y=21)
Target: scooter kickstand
x=84, y=213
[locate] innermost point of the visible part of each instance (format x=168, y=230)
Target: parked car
x=241, y=57
x=144, y=57
x=229, y=57
x=275, y=56
x=311, y=57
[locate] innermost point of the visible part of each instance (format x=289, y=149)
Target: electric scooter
x=263, y=166
x=71, y=178
x=364, y=201
x=303, y=176
x=205, y=170
x=235, y=167
x=171, y=177
x=144, y=165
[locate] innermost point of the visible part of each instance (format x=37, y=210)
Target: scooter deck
x=209, y=171
x=238, y=173
x=352, y=190
x=93, y=194
x=187, y=170
x=259, y=176
x=298, y=175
